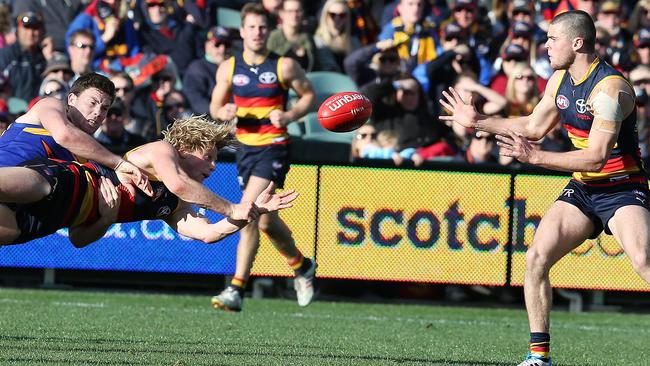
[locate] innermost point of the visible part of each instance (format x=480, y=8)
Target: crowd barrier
x=368, y=223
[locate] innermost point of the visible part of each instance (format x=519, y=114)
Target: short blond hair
x=198, y=133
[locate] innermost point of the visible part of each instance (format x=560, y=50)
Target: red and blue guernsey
x=571, y=99
x=23, y=141
x=257, y=90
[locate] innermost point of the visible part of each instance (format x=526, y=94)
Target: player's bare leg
x=8, y=228
x=631, y=228
x=22, y=185
x=562, y=229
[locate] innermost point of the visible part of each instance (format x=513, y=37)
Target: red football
x=343, y=112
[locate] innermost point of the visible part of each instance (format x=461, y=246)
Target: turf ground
x=105, y=328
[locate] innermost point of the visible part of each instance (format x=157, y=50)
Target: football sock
x=540, y=345
x=238, y=284
x=299, y=264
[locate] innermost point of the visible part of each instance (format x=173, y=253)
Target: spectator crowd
x=163, y=55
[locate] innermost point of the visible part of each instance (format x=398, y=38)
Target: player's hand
x=279, y=118
x=516, y=146
x=129, y=173
x=227, y=112
x=244, y=211
x=109, y=202
x=462, y=111
x=268, y=201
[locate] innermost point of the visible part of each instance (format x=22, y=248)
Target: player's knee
x=641, y=262
x=535, y=261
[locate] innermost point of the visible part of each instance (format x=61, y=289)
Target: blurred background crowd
x=162, y=56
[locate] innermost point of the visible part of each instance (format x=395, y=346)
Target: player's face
x=254, y=31
x=93, y=105
x=560, y=51
x=199, y=164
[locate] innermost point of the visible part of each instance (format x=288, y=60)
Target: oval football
x=344, y=112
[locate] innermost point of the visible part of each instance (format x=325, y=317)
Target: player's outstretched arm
x=532, y=127
x=611, y=103
x=189, y=223
x=109, y=204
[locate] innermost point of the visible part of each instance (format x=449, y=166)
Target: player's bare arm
x=162, y=160
x=610, y=103
x=295, y=78
x=220, y=108
x=533, y=127
x=192, y=224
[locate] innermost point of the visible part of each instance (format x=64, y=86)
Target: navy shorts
x=269, y=162
x=599, y=203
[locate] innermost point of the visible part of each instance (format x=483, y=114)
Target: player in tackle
x=609, y=188
x=85, y=198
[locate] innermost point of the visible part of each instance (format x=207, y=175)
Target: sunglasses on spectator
x=30, y=20
x=83, y=46
x=520, y=12
x=463, y=8
x=641, y=82
x=337, y=15
x=115, y=113
x=156, y=5
x=527, y=77
x=219, y=43
x=125, y=89
x=361, y=135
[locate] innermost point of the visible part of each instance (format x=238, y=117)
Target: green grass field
x=105, y=328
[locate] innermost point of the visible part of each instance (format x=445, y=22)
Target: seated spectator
x=290, y=40
x=57, y=15
x=175, y=106
x=512, y=55
x=58, y=67
x=386, y=146
x=556, y=140
x=374, y=63
x=147, y=105
x=113, y=135
x=415, y=37
x=364, y=135
x=640, y=16
x=487, y=101
x=82, y=52
x=401, y=106
x=521, y=91
x=161, y=34
x=5, y=117
x=115, y=36
x=609, y=17
x=642, y=47
x=364, y=26
x=7, y=34
x=481, y=149
x=54, y=87
x=199, y=79
x=23, y=62
x=333, y=36
x=640, y=78
x=272, y=7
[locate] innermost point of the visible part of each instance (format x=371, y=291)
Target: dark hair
x=124, y=75
x=255, y=9
x=578, y=23
x=82, y=32
x=93, y=80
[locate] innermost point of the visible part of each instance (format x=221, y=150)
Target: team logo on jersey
x=562, y=102
x=268, y=78
x=240, y=80
x=581, y=106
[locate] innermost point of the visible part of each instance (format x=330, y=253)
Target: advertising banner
x=408, y=225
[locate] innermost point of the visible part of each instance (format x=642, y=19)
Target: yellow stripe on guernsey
x=87, y=202
x=37, y=131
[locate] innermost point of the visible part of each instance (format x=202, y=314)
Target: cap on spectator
x=218, y=34
x=522, y=29
x=521, y=6
x=453, y=30
x=514, y=52
x=610, y=6
x=29, y=19
x=639, y=73
x=464, y=4
x=56, y=63
x=642, y=37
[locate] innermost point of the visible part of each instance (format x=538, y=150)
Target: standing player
x=609, y=189
x=258, y=80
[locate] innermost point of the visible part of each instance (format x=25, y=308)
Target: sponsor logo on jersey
x=268, y=78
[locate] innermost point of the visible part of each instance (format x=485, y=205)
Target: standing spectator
x=289, y=39
x=416, y=39
x=373, y=63
x=57, y=15
x=115, y=36
x=23, y=62
x=199, y=79
x=163, y=35
x=112, y=135
x=81, y=51
x=334, y=35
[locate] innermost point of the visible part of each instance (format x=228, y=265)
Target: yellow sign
x=596, y=264
x=407, y=225
x=301, y=219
